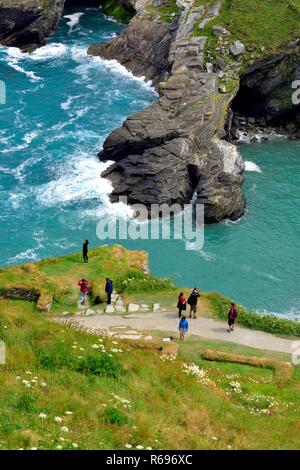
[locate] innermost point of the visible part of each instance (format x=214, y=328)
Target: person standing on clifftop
x=192, y=301
x=181, y=305
x=84, y=289
x=85, y=250
x=109, y=289
x=232, y=314
x=183, y=328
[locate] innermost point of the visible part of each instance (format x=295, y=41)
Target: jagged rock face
x=28, y=23
x=174, y=148
x=143, y=48
x=266, y=90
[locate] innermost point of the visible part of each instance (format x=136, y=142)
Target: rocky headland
x=212, y=88
x=220, y=71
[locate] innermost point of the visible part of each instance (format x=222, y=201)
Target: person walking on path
x=84, y=289
x=232, y=314
x=109, y=289
x=85, y=251
x=183, y=328
x=181, y=305
x=192, y=301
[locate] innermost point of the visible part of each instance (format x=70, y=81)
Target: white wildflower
x=42, y=416
x=58, y=419
x=74, y=445
x=64, y=429
x=128, y=446
x=236, y=386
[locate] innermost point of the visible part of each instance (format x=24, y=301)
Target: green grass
x=166, y=12
x=58, y=277
x=122, y=394
x=265, y=27
x=132, y=282
x=115, y=9
x=148, y=401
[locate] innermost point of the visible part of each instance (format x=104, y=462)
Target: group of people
x=85, y=290
x=181, y=305
x=84, y=284
x=193, y=303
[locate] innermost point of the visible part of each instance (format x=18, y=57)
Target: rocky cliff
x=174, y=148
x=28, y=23
x=201, y=56
x=204, y=58
x=265, y=98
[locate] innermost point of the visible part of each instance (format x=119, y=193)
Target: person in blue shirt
x=183, y=328
x=109, y=289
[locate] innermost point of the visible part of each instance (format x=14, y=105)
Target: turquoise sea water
x=61, y=105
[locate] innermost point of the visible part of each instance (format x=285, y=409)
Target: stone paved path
x=203, y=327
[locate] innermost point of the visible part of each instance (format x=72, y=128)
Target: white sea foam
x=74, y=19
x=31, y=254
x=14, y=55
x=48, y=52
x=259, y=137
x=251, y=166
x=79, y=181
x=16, y=199
x=91, y=63
x=27, y=139
x=292, y=314
x=27, y=255
x=68, y=103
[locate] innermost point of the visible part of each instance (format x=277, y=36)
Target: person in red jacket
x=84, y=289
x=181, y=305
x=232, y=314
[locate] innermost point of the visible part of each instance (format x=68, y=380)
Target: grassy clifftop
x=264, y=24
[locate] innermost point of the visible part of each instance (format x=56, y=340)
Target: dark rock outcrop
x=143, y=48
x=28, y=23
x=265, y=95
x=174, y=148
